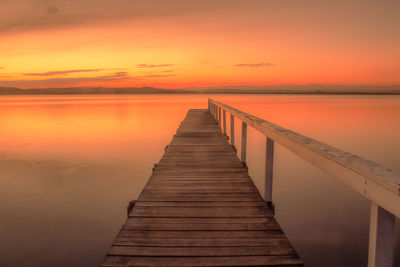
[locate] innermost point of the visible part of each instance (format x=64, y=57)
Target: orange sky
x=178, y=44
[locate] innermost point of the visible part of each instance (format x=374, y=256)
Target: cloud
x=27, y=15
x=61, y=72
x=52, y=9
x=255, y=65
x=153, y=66
x=67, y=81
x=158, y=75
x=121, y=74
x=206, y=61
x=51, y=78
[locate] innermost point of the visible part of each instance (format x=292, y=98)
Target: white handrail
x=375, y=182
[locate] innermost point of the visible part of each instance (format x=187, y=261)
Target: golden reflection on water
x=70, y=164
x=88, y=128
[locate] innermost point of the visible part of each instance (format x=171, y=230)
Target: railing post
x=269, y=164
x=213, y=110
x=219, y=116
x=244, y=142
x=224, y=121
x=232, y=130
x=382, y=234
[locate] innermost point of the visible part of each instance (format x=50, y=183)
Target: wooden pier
x=201, y=208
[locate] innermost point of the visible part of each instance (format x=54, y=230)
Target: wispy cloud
x=25, y=15
x=206, y=61
x=52, y=9
x=61, y=72
x=158, y=75
x=256, y=65
x=120, y=74
x=67, y=81
x=61, y=78
x=153, y=66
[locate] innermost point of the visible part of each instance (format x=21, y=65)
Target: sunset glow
x=198, y=43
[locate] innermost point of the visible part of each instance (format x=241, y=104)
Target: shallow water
x=70, y=164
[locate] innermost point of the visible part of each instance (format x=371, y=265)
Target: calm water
x=70, y=164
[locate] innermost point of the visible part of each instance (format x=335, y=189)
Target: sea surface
x=69, y=165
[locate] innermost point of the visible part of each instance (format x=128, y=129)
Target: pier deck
x=200, y=208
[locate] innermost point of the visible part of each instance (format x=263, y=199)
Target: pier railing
x=379, y=184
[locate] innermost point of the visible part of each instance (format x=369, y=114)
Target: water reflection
x=70, y=164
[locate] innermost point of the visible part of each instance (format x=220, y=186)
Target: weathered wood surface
x=200, y=208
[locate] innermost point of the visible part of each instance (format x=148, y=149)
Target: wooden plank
x=200, y=208
x=270, y=226
x=200, y=212
x=194, y=170
x=207, y=194
x=282, y=248
x=201, y=197
x=198, y=188
x=199, y=159
x=198, y=164
x=199, y=147
x=203, y=261
x=200, y=234
x=200, y=204
x=233, y=167
x=201, y=227
x=198, y=242
x=178, y=183
x=210, y=175
x=215, y=133
x=199, y=220
x=193, y=153
x=195, y=179
x=203, y=189
x=199, y=180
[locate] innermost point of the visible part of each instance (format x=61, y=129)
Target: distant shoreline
x=241, y=90
x=294, y=93
x=211, y=93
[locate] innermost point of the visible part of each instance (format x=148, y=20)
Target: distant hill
x=86, y=90
x=300, y=89
x=231, y=89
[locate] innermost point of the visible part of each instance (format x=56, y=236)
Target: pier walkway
x=201, y=208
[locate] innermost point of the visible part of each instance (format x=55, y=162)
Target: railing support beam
x=224, y=121
x=244, y=142
x=219, y=117
x=269, y=164
x=382, y=237
x=232, y=130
